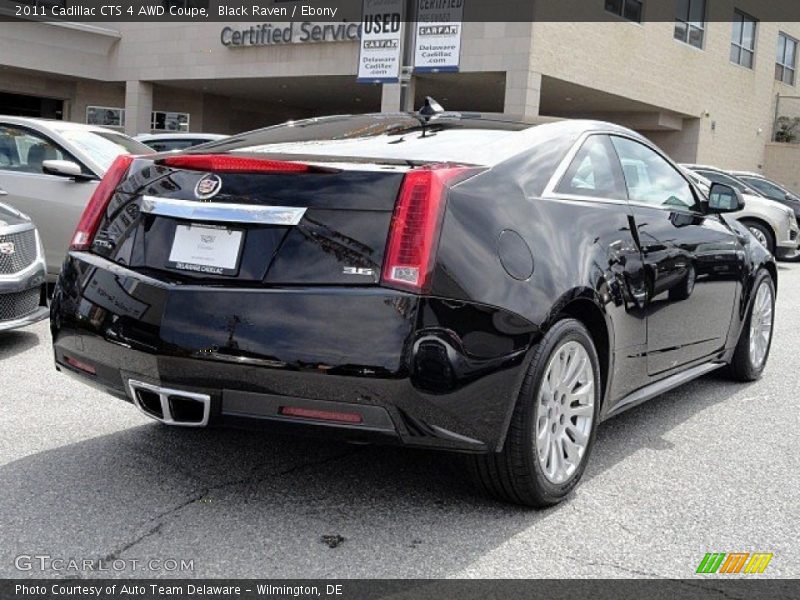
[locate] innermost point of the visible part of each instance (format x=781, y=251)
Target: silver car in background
x=23, y=288
x=172, y=142
x=771, y=223
x=49, y=171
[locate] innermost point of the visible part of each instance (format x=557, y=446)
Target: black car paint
x=446, y=366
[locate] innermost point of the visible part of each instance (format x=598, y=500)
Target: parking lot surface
x=710, y=467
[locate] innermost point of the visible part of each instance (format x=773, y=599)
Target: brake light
x=81, y=366
x=93, y=213
x=224, y=163
x=321, y=415
x=414, y=232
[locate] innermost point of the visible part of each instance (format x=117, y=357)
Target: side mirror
x=64, y=168
x=723, y=198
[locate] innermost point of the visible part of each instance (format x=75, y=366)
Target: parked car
x=772, y=190
x=23, y=290
x=170, y=142
x=456, y=282
x=49, y=171
x=772, y=223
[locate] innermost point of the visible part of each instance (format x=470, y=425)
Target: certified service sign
x=381, y=35
x=437, y=46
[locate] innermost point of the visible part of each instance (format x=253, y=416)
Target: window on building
x=105, y=116
x=690, y=22
x=786, y=62
x=651, y=179
x=627, y=9
x=743, y=39
x=594, y=172
x=170, y=121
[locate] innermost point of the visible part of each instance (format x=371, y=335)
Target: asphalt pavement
x=710, y=467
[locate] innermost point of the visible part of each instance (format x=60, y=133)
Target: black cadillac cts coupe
x=450, y=281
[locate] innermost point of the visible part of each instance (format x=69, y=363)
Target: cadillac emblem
x=208, y=187
x=7, y=248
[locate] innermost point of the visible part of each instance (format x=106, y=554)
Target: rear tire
x=755, y=340
x=552, y=430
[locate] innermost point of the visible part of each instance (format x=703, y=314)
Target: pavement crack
x=161, y=519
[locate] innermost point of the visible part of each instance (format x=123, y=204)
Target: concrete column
x=390, y=97
x=523, y=93
x=138, y=107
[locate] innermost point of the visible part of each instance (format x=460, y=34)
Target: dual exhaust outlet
x=171, y=407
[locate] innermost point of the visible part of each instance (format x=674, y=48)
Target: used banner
x=381, y=35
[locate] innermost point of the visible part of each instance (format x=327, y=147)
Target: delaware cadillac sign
x=437, y=45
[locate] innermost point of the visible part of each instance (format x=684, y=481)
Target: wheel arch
x=764, y=223
x=772, y=269
x=589, y=313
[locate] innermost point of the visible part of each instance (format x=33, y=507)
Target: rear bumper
x=400, y=368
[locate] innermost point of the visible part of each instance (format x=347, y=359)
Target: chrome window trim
x=222, y=212
x=550, y=193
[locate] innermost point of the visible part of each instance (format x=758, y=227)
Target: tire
x=744, y=365
x=518, y=474
x=762, y=231
x=686, y=287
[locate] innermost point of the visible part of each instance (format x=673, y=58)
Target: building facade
x=699, y=77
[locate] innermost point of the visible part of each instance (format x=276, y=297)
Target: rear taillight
x=225, y=163
x=414, y=233
x=93, y=213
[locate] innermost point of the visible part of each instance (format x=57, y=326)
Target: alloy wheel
x=761, y=325
x=759, y=235
x=565, y=412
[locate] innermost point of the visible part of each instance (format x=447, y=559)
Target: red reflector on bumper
x=321, y=415
x=81, y=366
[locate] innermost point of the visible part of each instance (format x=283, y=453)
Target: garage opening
x=20, y=105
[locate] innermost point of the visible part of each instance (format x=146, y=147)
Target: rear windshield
x=378, y=137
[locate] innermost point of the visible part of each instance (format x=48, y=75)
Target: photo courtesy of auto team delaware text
x=470, y=270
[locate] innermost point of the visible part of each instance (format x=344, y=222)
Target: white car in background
x=171, y=142
x=771, y=223
x=49, y=171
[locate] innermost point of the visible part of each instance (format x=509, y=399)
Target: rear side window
x=594, y=172
x=765, y=187
x=650, y=179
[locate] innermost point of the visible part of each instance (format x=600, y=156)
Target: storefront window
x=104, y=116
x=170, y=121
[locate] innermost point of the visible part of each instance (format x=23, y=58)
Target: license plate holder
x=206, y=249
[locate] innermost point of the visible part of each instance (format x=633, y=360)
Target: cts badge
x=208, y=187
x=7, y=248
x=358, y=271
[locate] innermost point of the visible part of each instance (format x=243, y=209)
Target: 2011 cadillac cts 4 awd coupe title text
x=452, y=281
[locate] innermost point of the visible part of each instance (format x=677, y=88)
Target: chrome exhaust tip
x=171, y=407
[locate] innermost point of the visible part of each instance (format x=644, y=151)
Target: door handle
x=3, y=193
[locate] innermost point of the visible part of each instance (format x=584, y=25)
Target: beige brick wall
x=734, y=105
x=782, y=163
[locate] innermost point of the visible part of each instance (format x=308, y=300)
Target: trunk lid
x=325, y=226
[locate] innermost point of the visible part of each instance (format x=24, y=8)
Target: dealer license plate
x=207, y=249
